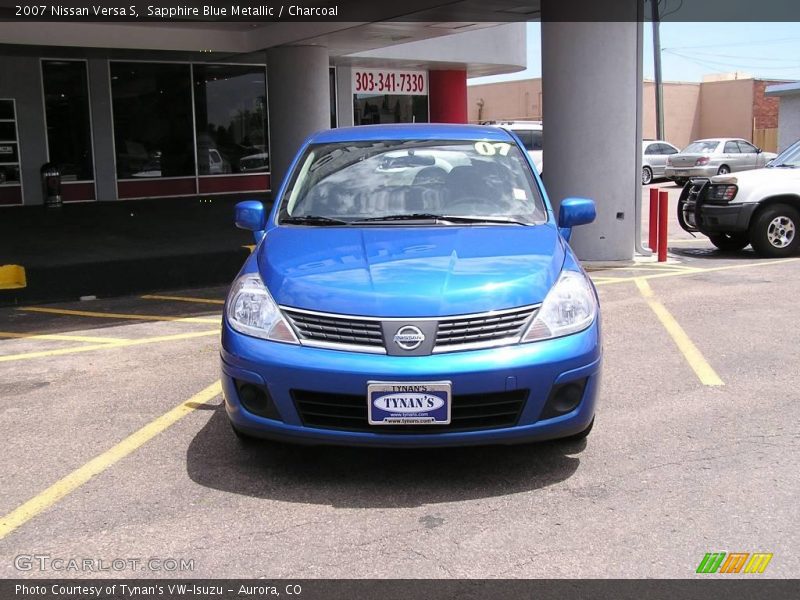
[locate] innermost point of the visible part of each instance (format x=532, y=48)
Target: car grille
x=469, y=412
x=345, y=332
x=337, y=331
x=485, y=329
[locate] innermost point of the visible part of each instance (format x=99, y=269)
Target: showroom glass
x=69, y=132
x=9, y=149
x=371, y=109
x=358, y=180
x=231, y=119
x=152, y=105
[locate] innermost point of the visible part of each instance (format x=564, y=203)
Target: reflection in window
x=9, y=149
x=231, y=116
x=369, y=109
x=66, y=101
x=152, y=120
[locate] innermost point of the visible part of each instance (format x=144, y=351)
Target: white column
x=590, y=79
x=299, y=101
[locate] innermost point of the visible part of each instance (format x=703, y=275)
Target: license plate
x=408, y=402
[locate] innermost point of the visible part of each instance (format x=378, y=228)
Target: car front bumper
x=285, y=369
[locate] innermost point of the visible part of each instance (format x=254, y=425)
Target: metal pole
x=657, y=69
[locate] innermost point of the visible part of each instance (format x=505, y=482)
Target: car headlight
x=252, y=311
x=721, y=193
x=569, y=307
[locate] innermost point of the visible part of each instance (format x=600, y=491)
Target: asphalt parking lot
x=117, y=447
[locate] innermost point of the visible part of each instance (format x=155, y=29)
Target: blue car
x=411, y=287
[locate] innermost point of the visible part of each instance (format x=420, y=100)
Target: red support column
x=447, y=96
x=653, y=228
x=663, y=217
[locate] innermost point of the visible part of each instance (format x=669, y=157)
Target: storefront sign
x=390, y=81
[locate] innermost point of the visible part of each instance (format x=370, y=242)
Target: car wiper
x=312, y=220
x=783, y=166
x=441, y=218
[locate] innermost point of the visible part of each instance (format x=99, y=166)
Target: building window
x=10, y=185
x=231, y=119
x=152, y=106
x=69, y=132
x=389, y=108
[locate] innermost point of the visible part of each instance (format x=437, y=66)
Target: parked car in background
x=760, y=207
x=386, y=305
x=715, y=156
x=654, y=159
x=530, y=134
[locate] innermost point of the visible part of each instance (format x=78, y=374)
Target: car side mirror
x=251, y=215
x=574, y=212
x=759, y=150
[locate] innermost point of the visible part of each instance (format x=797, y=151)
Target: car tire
x=647, y=176
x=577, y=437
x=244, y=438
x=680, y=182
x=730, y=242
x=723, y=170
x=774, y=231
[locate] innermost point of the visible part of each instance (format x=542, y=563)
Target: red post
x=663, y=215
x=653, y=230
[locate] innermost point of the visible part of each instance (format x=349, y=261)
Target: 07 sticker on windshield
x=492, y=148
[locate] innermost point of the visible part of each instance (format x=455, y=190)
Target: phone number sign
x=390, y=81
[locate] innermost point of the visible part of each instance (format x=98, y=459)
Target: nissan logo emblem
x=409, y=337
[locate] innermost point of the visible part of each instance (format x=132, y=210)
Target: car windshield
x=701, y=147
x=341, y=183
x=789, y=157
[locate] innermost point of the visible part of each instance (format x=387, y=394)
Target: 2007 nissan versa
x=412, y=287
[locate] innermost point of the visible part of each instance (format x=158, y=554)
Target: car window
x=536, y=140
x=746, y=148
x=526, y=137
x=731, y=148
x=350, y=181
x=652, y=149
x=667, y=149
x=706, y=147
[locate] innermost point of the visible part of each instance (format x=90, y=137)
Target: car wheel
x=244, y=439
x=680, y=182
x=647, y=176
x=723, y=170
x=773, y=231
x=581, y=435
x=730, y=242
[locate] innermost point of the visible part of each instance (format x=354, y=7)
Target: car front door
x=653, y=159
x=732, y=157
x=749, y=155
x=666, y=150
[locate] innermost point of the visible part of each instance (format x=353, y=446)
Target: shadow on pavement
x=713, y=253
x=371, y=477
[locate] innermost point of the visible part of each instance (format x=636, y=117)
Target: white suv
x=759, y=207
x=530, y=133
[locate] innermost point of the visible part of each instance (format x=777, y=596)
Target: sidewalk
x=124, y=247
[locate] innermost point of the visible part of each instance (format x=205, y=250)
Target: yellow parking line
x=183, y=299
x=97, y=465
x=62, y=337
x=698, y=270
x=121, y=344
x=693, y=356
x=105, y=315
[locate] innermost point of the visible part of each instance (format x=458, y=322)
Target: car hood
x=410, y=271
x=758, y=177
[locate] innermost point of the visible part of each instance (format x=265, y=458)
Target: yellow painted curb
x=12, y=277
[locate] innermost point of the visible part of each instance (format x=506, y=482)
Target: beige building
x=720, y=106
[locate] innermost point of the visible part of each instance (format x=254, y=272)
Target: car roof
x=720, y=140
x=410, y=131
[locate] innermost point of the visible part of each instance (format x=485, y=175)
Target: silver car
x=654, y=159
x=715, y=156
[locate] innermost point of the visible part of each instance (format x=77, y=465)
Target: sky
x=691, y=50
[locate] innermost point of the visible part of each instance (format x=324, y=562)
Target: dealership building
x=162, y=110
